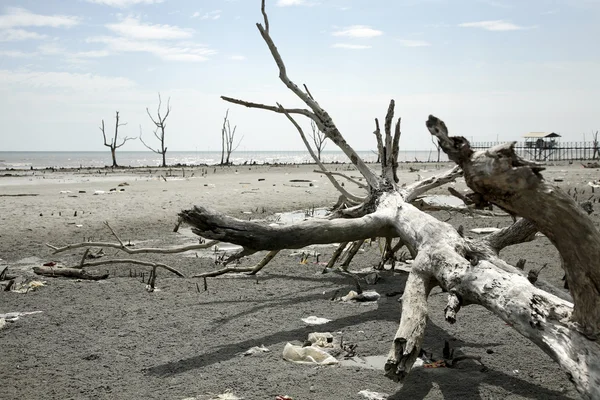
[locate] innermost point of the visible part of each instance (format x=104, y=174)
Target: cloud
x=498, y=25
x=237, y=58
x=15, y=54
x=166, y=51
x=63, y=80
x=21, y=17
x=13, y=35
x=414, y=43
x=350, y=46
x=289, y=3
x=132, y=28
x=358, y=31
x=124, y=3
x=214, y=15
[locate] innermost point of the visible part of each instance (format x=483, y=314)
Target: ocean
x=98, y=159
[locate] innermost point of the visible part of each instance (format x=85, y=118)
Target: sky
x=491, y=69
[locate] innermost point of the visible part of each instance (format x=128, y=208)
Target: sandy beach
x=112, y=339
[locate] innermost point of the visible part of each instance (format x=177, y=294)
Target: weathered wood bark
x=516, y=185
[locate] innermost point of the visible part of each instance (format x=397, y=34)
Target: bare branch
x=276, y=109
x=128, y=250
x=333, y=181
x=357, y=183
x=411, y=192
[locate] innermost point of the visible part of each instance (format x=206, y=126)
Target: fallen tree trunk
x=68, y=273
x=469, y=270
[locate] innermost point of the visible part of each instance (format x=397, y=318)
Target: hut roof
x=540, y=135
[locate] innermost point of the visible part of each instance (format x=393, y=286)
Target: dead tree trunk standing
x=113, y=141
x=159, y=132
x=228, y=140
x=319, y=139
x=469, y=270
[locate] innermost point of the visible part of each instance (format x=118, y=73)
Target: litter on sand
x=255, y=350
x=223, y=396
x=369, y=395
x=370, y=295
x=307, y=355
x=14, y=316
x=28, y=287
x=313, y=320
x=485, y=230
x=321, y=339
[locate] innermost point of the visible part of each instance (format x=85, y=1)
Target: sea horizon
x=100, y=159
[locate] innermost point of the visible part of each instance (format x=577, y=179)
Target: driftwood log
x=68, y=273
x=469, y=270
x=565, y=326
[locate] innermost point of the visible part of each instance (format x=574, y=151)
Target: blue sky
x=490, y=68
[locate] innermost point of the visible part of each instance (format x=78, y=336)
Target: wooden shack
x=541, y=145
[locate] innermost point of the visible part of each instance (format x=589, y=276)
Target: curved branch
x=276, y=109
x=251, y=235
x=411, y=192
x=120, y=246
x=323, y=120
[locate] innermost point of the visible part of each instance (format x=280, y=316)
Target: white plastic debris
x=65, y=191
x=321, y=339
x=485, y=230
x=307, y=355
x=255, y=350
x=369, y=395
x=2, y=323
x=14, y=316
x=370, y=295
x=97, y=192
x=594, y=184
x=313, y=320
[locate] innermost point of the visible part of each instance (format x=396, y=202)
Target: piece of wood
x=68, y=273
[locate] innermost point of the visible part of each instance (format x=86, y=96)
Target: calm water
x=67, y=159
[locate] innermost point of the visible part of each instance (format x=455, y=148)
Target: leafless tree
x=318, y=137
x=437, y=147
x=113, y=141
x=228, y=140
x=596, y=148
x=159, y=131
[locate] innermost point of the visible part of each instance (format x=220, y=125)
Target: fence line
x=562, y=151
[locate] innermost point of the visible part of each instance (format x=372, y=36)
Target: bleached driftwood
x=470, y=270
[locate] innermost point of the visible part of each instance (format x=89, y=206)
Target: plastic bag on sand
x=367, y=394
x=307, y=355
x=321, y=339
x=255, y=350
x=312, y=320
x=224, y=396
x=370, y=295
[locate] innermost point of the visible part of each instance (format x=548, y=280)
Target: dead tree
x=228, y=140
x=159, y=131
x=438, y=148
x=113, y=141
x=469, y=270
x=596, y=148
x=319, y=139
